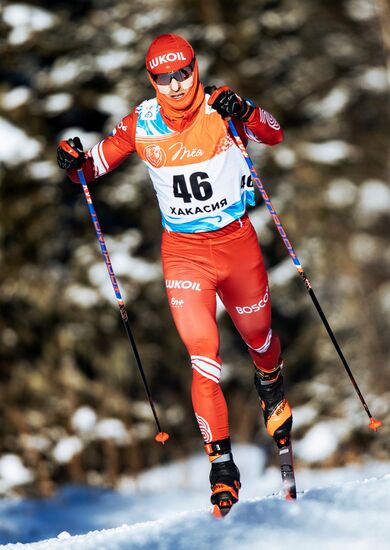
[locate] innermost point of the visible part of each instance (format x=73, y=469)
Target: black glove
x=70, y=154
x=228, y=104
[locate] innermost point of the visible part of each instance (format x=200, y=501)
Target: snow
x=303, y=415
x=56, y=103
x=175, y=414
x=360, y=10
x=124, y=264
x=147, y=20
x=331, y=105
x=82, y=296
x=86, y=424
x=17, y=15
x=112, y=60
x=112, y=428
x=338, y=45
x=13, y=472
x=374, y=197
x=374, y=79
x=215, y=34
x=113, y=104
x=125, y=243
x=284, y=156
x=63, y=535
x=124, y=36
x=65, y=71
x=14, y=98
x=341, y=192
x=124, y=192
x=384, y=298
x=329, y=152
x=83, y=419
x=142, y=409
x=43, y=169
x=25, y=20
x=136, y=268
x=364, y=248
x=67, y=448
x=321, y=441
x=36, y=442
x=342, y=509
x=282, y=273
x=260, y=220
x=11, y=137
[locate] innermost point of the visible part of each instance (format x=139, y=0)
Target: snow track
x=345, y=515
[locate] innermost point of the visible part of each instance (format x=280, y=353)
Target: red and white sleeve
x=263, y=127
x=109, y=153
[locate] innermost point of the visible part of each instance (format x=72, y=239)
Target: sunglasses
x=180, y=75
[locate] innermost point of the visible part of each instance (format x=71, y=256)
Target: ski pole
x=161, y=436
x=374, y=424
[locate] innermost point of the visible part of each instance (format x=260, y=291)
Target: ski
x=287, y=468
x=220, y=511
x=227, y=497
x=223, y=499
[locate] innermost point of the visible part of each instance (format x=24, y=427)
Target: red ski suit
x=209, y=246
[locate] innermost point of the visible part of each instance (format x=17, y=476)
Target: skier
x=209, y=246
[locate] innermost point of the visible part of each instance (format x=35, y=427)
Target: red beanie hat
x=168, y=53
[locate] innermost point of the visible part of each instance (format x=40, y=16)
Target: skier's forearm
x=109, y=153
x=264, y=127
x=105, y=156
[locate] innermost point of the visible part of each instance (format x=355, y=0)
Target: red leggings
x=196, y=267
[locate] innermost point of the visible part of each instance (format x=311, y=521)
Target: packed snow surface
x=166, y=508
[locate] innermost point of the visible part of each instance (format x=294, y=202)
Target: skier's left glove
x=70, y=154
x=227, y=103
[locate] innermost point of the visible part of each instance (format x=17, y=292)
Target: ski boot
x=278, y=422
x=224, y=477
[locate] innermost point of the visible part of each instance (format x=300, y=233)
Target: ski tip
x=217, y=512
x=291, y=494
x=374, y=424
x=162, y=437
x=220, y=513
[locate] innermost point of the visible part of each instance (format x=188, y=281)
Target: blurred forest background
x=73, y=407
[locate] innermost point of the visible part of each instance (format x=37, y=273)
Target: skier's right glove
x=70, y=154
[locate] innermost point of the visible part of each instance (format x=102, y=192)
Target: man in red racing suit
x=209, y=246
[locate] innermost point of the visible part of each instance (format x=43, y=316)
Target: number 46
x=200, y=187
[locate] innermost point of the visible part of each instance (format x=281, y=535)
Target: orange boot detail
x=276, y=409
x=224, y=477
